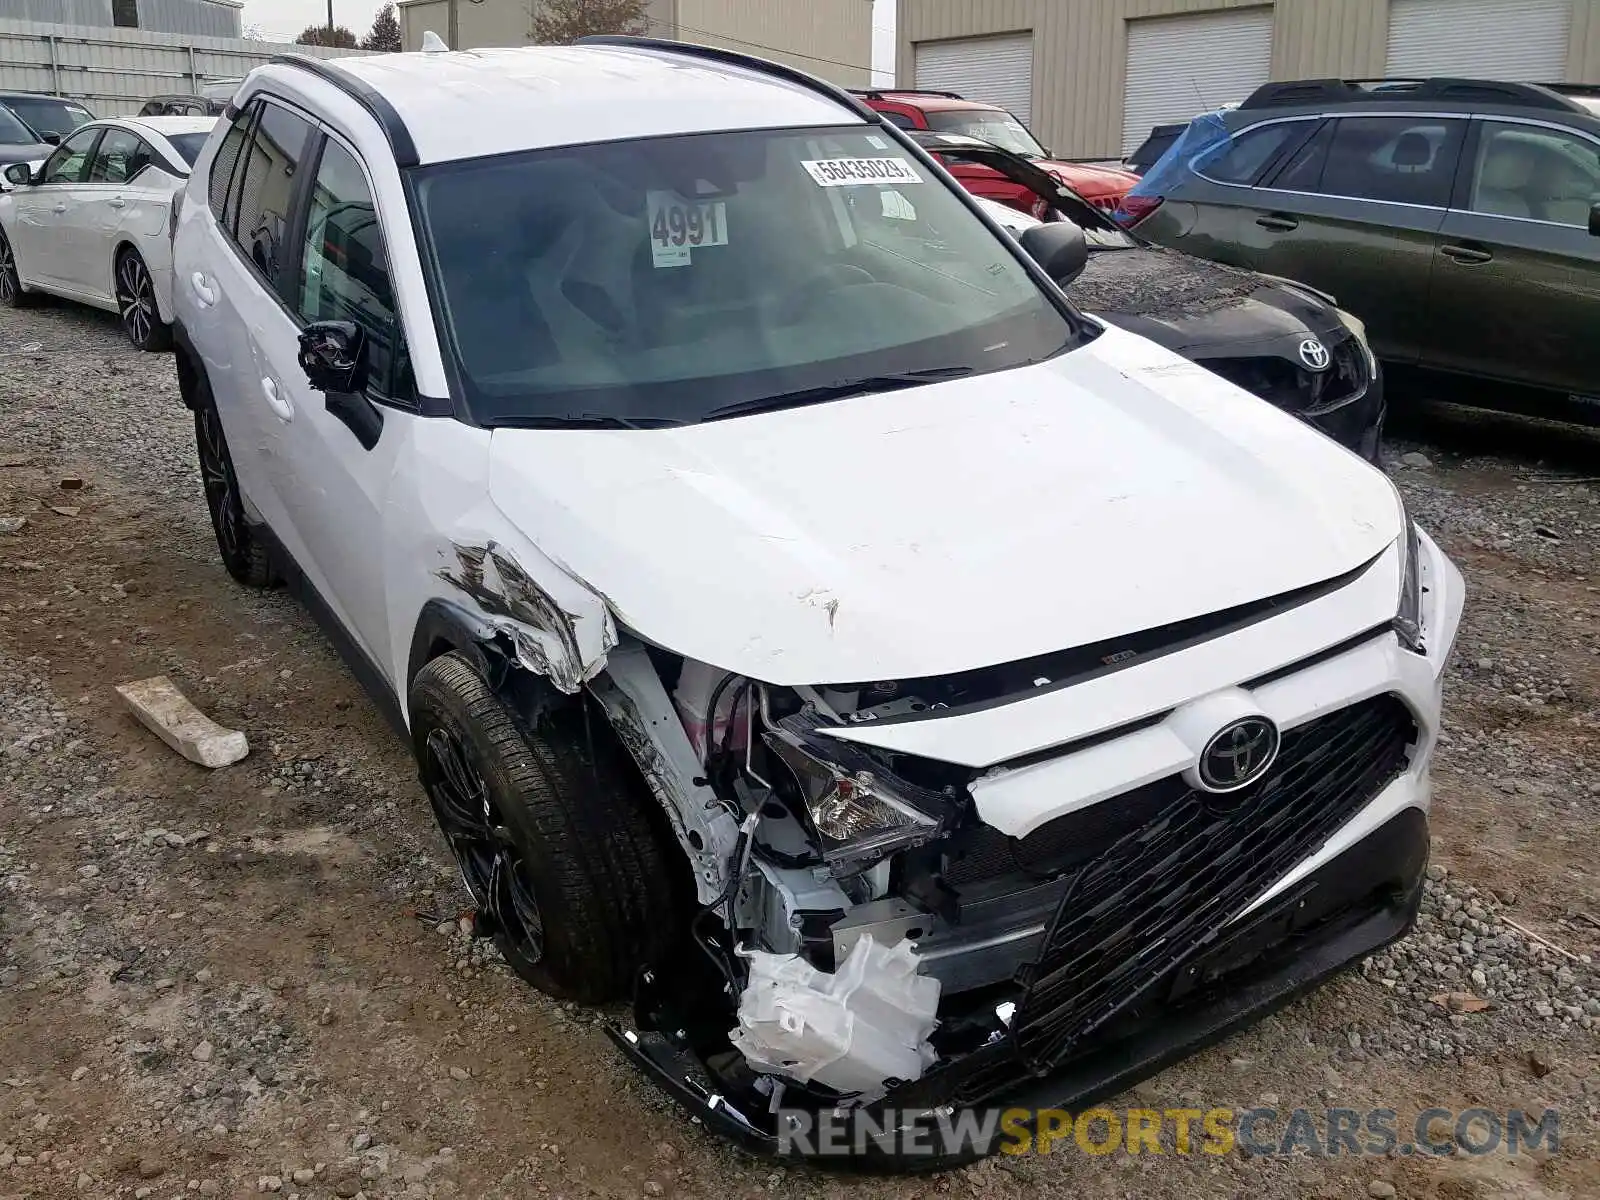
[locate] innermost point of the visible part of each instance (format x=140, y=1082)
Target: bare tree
x=321, y=35
x=385, y=33
x=556, y=22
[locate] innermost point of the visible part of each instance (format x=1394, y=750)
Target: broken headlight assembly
x=1408, y=614
x=858, y=816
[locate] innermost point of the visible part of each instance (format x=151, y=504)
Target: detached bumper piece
x=1147, y=958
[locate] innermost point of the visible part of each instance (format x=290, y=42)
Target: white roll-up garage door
x=1179, y=67
x=997, y=70
x=1483, y=39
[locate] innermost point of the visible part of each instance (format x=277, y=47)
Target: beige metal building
x=1092, y=76
x=830, y=38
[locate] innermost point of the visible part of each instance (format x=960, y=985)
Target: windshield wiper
x=840, y=390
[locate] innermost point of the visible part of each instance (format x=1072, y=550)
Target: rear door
x=1355, y=212
x=1517, y=280
x=46, y=213
x=106, y=204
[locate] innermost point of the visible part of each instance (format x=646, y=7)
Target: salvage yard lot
x=219, y=982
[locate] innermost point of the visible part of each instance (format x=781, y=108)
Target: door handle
x=60, y=208
x=202, y=293
x=276, y=401
x=1466, y=254
x=116, y=202
x=1278, y=223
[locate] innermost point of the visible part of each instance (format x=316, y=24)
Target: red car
x=949, y=112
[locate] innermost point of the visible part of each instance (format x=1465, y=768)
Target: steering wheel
x=832, y=278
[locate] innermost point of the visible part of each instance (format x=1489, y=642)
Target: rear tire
x=558, y=849
x=11, y=293
x=244, y=553
x=136, y=304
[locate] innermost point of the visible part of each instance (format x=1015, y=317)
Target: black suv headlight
x=1408, y=613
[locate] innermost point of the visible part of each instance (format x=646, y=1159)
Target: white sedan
x=91, y=224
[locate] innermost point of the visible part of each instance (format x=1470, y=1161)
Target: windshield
x=48, y=115
x=188, y=144
x=12, y=131
x=665, y=279
x=992, y=125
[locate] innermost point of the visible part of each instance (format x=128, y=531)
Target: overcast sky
x=282, y=20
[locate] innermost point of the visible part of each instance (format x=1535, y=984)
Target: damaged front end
x=867, y=943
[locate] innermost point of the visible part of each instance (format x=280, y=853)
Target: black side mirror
x=53, y=138
x=334, y=356
x=1594, y=221
x=18, y=174
x=1060, y=248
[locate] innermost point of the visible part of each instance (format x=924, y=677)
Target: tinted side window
x=1536, y=172
x=267, y=183
x=222, y=165
x=69, y=162
x=1240, y=159
x=121, y=156
x=344, y=275
x=1403, y=160
x=899, y=119
x=1302, y=171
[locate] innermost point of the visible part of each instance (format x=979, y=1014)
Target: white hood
x=1114, y=489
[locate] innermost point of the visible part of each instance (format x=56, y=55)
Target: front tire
x=136, y=303
x=244, y=553
x=11, y=293
x=556, y=847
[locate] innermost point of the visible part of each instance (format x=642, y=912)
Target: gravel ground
x=258, y=980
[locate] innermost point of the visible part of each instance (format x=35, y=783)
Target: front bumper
x=1350, y=907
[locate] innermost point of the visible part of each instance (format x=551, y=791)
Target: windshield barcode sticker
x=847, y=172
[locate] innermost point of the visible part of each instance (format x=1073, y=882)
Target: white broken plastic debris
x=851, y=1031
x=167, y=712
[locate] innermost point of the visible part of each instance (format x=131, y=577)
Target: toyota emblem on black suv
x=1314, y=354
x=1238, y=754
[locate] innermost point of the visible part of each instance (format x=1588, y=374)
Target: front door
x=1516, y=292
x=1354, y=212
x=47, y=211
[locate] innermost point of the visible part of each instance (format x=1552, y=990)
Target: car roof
x=76, y=103
x=168, y=126
x=928, y=101
x=468, y=104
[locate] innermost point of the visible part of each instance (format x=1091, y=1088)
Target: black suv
x=1460, y=219
x=50, y=118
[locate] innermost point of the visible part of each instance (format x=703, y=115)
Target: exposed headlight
x=1408, y=614
x=858, y=817
x=1358, y=330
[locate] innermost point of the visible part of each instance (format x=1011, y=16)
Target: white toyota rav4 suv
x=916, y=695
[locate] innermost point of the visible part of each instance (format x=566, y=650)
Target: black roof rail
x=733, y=58
x=880, y=93
x=374, y=101
x=1439, y=89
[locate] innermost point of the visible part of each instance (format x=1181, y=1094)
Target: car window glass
x=222, y=166
x=267, y=183
x=1303, y=170
x=188, y=145
x=1242, y=157
x=121, y=156
x=45, y=114
x=664, y=278
x=899, y=119
x=344, y=274
x=995, y=126
x=70, y=161
x=1536, y=172
x=12, y=131
x=1402, y=160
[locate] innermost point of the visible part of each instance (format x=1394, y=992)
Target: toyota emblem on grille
x=1238, y=754
x=1314, y=354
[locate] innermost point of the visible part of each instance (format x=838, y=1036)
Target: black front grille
x=1166, y=889
x=1286, y=383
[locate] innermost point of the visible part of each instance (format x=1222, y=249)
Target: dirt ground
x=253, y=979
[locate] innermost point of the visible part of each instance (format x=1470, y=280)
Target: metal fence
x=114, y=71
